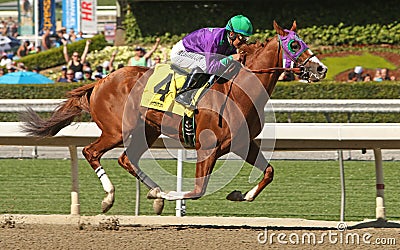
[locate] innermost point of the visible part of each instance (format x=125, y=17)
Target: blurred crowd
x=76, y=67
x=381, y=74
x=9, y=27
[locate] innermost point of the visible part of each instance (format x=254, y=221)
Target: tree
x=122, y=8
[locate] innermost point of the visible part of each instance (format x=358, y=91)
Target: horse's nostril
x=320, y=69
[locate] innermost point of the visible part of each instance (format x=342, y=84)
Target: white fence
x=279, y=106
x=292, y=136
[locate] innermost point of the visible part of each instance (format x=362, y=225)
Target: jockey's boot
x=193, y=81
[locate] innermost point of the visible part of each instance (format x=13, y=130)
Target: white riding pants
x=185, y=59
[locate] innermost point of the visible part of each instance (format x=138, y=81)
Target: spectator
x=59, y=39
x=356, y=75
x=86, y=66
x=63, y=77
x=11, y=68
x=108, y=65
x=71, y=76
x=76, y=63
x=141, y=57
x=36, y=69
x=46, y=42
x=72, y=35
x=378, y=76
x=79, y=37
x=87, y=76
x=164, y=58
x=386, y=76
x=23, y=50
x=3, y=28
x=10, y=27
x=4, y=60
x=99, y=71
x=35, y=50
x=21, y=66
x=27, y=8
x=14, y=30
x=367, y=78
x=156, y=60
x=98, y=76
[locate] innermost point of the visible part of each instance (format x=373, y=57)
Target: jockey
x=209, y=50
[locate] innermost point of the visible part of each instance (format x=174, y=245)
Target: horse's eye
x=294, y=46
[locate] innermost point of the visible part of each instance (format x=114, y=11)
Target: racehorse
x=223, y=125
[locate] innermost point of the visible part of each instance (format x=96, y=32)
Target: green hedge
x=335, y=90
x=36, y=91
x=283, y=90
x=55, y=57
x=177, y=17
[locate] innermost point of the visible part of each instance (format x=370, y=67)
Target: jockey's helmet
x=241, y=25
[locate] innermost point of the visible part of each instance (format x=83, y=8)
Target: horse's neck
x=264, y=57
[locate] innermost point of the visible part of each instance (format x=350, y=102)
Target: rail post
x=380, y=186
x=75, y=206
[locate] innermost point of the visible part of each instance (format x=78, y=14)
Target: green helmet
x=241, y=25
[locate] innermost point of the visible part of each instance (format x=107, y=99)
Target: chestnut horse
x=223, y=125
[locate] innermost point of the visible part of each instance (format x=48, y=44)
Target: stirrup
x=185, y=99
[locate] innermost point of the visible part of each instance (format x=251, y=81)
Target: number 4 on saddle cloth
x=163, y=87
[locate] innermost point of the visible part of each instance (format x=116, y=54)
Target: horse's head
x=297, y=51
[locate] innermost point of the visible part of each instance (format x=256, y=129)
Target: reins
x=274, y=69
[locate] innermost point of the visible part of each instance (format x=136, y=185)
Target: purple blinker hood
x=289, y=55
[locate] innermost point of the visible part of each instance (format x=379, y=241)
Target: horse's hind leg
x=93, y=153
x=129, y=160
x=255, y=158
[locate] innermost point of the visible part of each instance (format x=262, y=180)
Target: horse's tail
x=62, y=116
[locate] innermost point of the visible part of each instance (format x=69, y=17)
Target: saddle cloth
x=161, y=90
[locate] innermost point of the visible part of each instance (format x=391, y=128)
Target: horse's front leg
x=205, y=164
x=255, y=158
x=204, y=169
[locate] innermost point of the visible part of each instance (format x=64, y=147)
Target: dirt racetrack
x=113, y=236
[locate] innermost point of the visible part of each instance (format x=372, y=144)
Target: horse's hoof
x=107, y=202
x=154, y=193
x=158, y=206
x=105, y=206
x=235, y=196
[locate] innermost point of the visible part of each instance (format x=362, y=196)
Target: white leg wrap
x=105, y=181
x=250, y=194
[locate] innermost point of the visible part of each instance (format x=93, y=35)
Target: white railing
x=279, y=105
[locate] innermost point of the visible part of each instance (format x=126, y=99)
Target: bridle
x=300, y=70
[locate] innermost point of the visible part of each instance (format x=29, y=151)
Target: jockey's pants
x=185, y=59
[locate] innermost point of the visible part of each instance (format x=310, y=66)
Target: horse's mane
x=253, y=47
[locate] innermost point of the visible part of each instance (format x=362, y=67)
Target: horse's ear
x=294, y=26
x=279, y=29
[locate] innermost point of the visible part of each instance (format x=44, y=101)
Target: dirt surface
x=393, y=58
x=161, y=237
